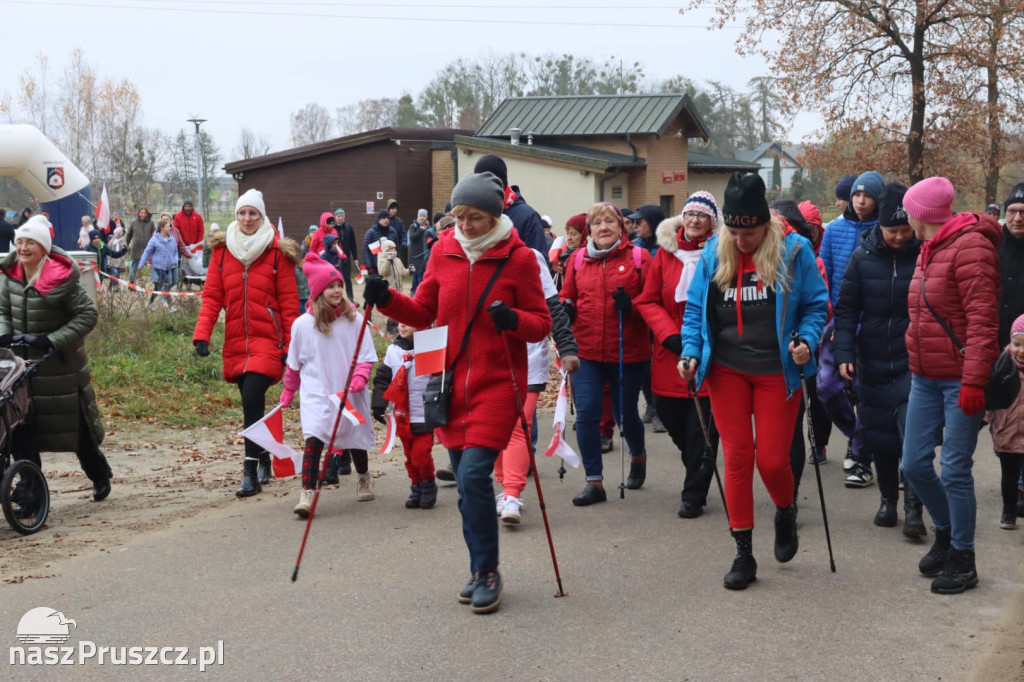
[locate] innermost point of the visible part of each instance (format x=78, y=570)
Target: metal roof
x=593, y=115
x=709, y=164
x=597, y=159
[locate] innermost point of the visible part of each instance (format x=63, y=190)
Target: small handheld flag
x=389, y=437
x=375, y=247
x=558, y=445
x=431, y=346
x=268, y=433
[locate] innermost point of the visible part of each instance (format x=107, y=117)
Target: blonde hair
x=602, y=207
x=460, y=210
x=324, y=315
x=164, y=221
x=768, y=258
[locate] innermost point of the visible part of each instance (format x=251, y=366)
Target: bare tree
x=77, y=111
x=128, y=154
x=310, y=124
x=377, y=113
x=251, y=145
x=347, y=119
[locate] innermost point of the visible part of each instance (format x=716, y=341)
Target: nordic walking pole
x=533, y=461
x=814, y=447
x=622, y=415
x=710, y=456
x=327, y=453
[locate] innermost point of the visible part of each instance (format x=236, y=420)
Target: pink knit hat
x=930, y=201
x=319, y=273
x=1018, y=326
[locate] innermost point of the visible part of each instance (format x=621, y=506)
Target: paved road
x=376, y=596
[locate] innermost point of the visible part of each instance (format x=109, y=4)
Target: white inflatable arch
x=63, y=191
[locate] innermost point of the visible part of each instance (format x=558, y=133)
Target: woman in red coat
x=482, y=410
x=594, y=275
x=662, y=304
x=252, y=278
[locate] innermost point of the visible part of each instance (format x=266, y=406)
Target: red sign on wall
x=679, y=175
x=666, y=178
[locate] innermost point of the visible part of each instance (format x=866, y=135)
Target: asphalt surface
x=375, y=599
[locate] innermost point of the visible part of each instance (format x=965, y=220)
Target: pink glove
x=360, y=377
x=292, y=381
x=287, y=397
x=971, y=399
x=357, y=385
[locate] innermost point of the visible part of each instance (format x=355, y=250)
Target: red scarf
x=398, y=394
x=510, y=197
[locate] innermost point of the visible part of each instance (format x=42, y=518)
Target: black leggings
x=90, y=457
x=253, y=388
x=1010, y=463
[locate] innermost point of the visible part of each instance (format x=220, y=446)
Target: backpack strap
x=579, y=257
x=636, y=258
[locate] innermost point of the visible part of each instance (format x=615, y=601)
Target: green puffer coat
x=62, y=388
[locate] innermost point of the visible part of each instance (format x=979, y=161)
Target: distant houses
x=764, y=155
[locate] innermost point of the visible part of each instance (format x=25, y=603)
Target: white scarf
x=248, y=247
x=478, y=246
x=689, y=260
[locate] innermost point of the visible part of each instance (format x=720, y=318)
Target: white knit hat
x=253, y=198
x=37, y=228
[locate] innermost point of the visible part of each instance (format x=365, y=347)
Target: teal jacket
x=802, y=306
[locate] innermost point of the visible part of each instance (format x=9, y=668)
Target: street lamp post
x=199, y=167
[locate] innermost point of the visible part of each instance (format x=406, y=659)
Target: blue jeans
x=950, y=500
x=473, y=467
x=589, y=383
x=417, y=277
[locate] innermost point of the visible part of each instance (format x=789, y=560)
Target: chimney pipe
x=514, y=135
x=529, y=139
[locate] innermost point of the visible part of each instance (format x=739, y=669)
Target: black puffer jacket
x=871, y=313
x=1011, y=297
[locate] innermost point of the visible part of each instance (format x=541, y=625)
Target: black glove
x=570, y=310
x=377, y=291
x=40, y=342
x=202, y=348
x=674, y=344
x=504, y=318
x=378, y=414
x=284, y=361
x=622, y=300
x=5, y=340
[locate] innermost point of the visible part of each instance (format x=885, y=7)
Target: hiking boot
x=744, y=567
x=637, y=472
x=510, y=513
x=649, y=415
x=413, y=501
x=690, y=510
x=913, y=522
x=1008, y=520
x=263, y=469
x=487, y=595
x=250, y=483
x=886, y=516
x=860, y=476
x=591, y=494
x=428, y=493
x=958, y=574
x=607, y=444
x=499, y=502
x=657, y=426
x=466, y=593
x=364, y=488
x=305, y=503
x=344, y=464
x=934, y=561
x=786, y=540
x=445, y=474
x=331, y=475
x=816, y=456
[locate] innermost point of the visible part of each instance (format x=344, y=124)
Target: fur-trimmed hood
x=289, y=247
x=667, y=233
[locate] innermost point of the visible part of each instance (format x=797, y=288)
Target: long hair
x=324, y=315
x=768, y=259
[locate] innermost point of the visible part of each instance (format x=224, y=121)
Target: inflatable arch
x=63, y=191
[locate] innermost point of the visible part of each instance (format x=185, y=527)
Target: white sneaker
x=848, y=464
x=305, y=503
x=364, y=487
x=499, y=502
x=510, y=513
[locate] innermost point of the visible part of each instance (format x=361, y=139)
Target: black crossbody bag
x=438, y=393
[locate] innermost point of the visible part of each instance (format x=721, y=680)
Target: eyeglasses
x=697, y=215
x=1014, y=212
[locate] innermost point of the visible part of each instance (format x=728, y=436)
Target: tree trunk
x=915, y=136
x=993, y=164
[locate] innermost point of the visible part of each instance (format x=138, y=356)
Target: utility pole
x=199, y=169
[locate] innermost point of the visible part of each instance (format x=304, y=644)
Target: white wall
x=709, y=182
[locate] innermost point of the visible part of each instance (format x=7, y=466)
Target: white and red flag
x=558, y=445
x=350, y=412
x=375, y=247
x=389, y=437
x=268, y=433
x=431, y=346
x=361, y=277
x=103, y=211
x=280, y=228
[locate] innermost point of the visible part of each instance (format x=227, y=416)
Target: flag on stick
x=268, y=433
x=558, y=445
x=350, y=412
x=361, y=277
x=389, y=437
x=103, y=211
x=431, y=346
x=280, y=228
x=375, y=247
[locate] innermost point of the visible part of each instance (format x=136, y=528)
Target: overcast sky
x=252, y=63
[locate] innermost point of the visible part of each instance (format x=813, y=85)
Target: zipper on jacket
x=277, y=327
x=245, y=316
x=892, y=304
x=469, y=364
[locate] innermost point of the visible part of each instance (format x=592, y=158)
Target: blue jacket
x=527, y=223
x=376, y=233
x=651, y=244
x=842, y=236
x=803, y=307
x=163, y=252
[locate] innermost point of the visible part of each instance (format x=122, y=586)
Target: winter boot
x=305, y=503
x=466, y=593
x=487, y=595
x=886, y=516
x=786, y=540
x=345, y=464
x=364, y=488
x=413, y=501
x=958, y=574
x=250, y=482
x=331, y=475
x=428, y=493
x=934, y=561
x=263, y=469
x=100, y=489
x=637, y=472
x=913, y=523
x=744, y=567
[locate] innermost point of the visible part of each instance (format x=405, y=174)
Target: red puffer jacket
x=482, y=412
x=590, y=289
x=960, y=271
x=259, y=306
x=191, y=226
x=657, y=304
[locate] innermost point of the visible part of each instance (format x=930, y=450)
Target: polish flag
x=389, y=437
x=361, y=277
x=268, y=433
x=431, y=346
x=558, y=445
x=557, y=247
x=375, y=247
x=280, y=228
x=103, y=211
x=350, y=412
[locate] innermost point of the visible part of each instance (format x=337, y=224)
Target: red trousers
x=419, y=461
x=514, y=461
x=735, y=397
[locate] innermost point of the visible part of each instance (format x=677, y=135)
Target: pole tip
x=295, y=574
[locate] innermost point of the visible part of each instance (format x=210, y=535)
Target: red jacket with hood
x=316, y=242
x=482, y=412
x=260, y=304
x=590, y=289
x=191, y=226
x=960, y=272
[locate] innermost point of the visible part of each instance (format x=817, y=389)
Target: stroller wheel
x=25, y=497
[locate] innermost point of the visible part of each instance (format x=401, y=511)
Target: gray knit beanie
x=481, y=190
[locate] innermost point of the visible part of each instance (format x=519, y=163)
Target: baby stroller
x=24, y=495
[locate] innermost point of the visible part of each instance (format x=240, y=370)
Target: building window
x=666, y=204
x=617, y=192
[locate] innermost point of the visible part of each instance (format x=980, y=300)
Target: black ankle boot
x=744, y=567
x=263, y=469
x=591, y=494
x=250, y=482
x=913, y=522
x=428, y=493
x=637, y=472
x=786, y=540
x=100, y=490
x=958, y=574
x=934, y=561
x=331, y=475
x=886, y=516
x=345, y=464
x=413, y=501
